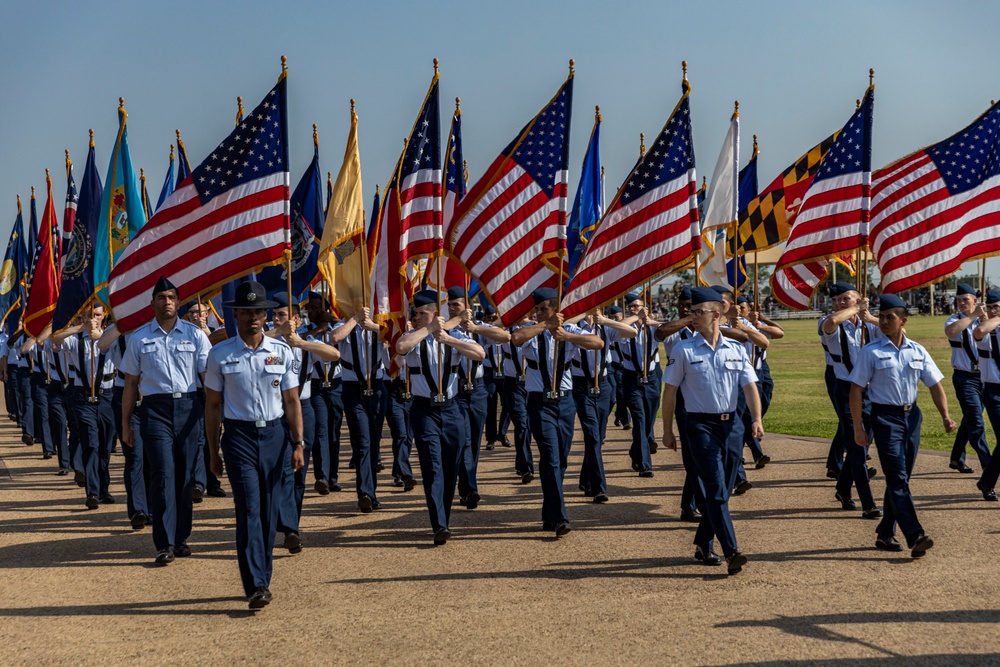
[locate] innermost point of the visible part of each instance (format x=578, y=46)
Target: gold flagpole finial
x=352, y=106
x=69, y=164
x=597, y=113
x=871, y=76
x=572, y=67
x=121, y=104
x=329, y=177
x=19, y=203
x=142, y=174
x=436, y=71
x=684, y=69
x=284, y=64
x=857, y=104
x=47, y=178
x=178, y=133
x=465, y=170
x=92, y=137
x=239, y=110
x=736, y=109
x=756, y=149
x=171, y=152
x=32, y=191
x=704, y=181
x=458, y=104
x=642, y=144
x=376, y=189
x=315, y=136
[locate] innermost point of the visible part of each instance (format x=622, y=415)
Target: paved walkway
x=79, y=587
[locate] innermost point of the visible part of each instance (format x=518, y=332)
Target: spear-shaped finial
x=315, y=136
x=91, y=137
x=436, y=72
x=597, y=113
x=572, y=67
x=642, y=144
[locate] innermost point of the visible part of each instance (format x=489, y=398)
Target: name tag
x=734, y=364
x=230, y=368
x=185, y=346
x=917, y=364
x=884, y=363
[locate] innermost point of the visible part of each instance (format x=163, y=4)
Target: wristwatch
x=300, y=443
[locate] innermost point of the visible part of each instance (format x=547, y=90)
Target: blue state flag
x=307, y=220
x=32, y=247
x=587, y=207
x=122, y=213
x=11, y=272
x=168, y=182
x=77, y=289
x=747, y=192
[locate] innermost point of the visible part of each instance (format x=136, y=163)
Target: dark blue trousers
x=640, y=399
x=765, y=386
x=693, y=492
x=835, y=459
x=991, y=401
x=438, y=434
x=10, y=395
x=897, y=439
x=293, y=483
x=621, y=402
x=496, y=425
x=855, y=470
x=136, y=470
x=75, y=450
x=40, y=399
x=95, y=422
x=328, y=407
x=592, y=411
x=22, y=376
x=552, y=428
x=58, y=423
x=172, y=430
x=517, y=398
x=473, y=408
x=365, y=418
x=972, y=430
x=255, y=462
x=398, y=416
x=715, y=453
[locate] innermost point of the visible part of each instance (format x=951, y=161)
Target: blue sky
x=795, y=67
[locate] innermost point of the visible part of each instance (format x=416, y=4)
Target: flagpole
x=645, y=336
x=736, y=204
x=982, y=278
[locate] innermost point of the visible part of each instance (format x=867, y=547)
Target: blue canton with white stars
x=258, y=147
x=852, y=149
x=971, y=156
x=670, y=156
x=544, y=149
x=455, y=178
x=423, y=149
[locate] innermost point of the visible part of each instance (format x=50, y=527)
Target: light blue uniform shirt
x=988, y=351
x=324, y=370
x=595, y=358
x=530, y=350
x=166, y=362
x=892, y=374
x=629, y=348
x=355, y=370
x=418, y=369
x=465, y=363
x=70, y=347
x=709, y=378
x=964, y=355
x=671, y=341
x=822, y=338
x=251, y=381
x=57, y=362
x=513, y=360
x=852, y=334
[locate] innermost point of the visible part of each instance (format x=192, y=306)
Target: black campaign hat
x=250, y=295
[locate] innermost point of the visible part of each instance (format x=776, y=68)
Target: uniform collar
x=701, y=340
x=883, y=341
x=268, y=344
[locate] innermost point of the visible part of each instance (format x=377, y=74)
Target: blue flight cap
x=992, y=296
x=281, y=298
x=163, y=285
x=839, y=288
x=632, y=296
x=544, y=294
x=743, y=299
x=965, y=289
x=685, y=294
x=704, y=295
x=456, y=293
x=614, y=310
x=315, y=295
x=891, y=301
x=485, y=304
x=425, y=298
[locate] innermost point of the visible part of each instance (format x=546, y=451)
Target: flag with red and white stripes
x=652, y=225
x=795, y=285
x=451, y=272
x=510, y=229
x=939, y=207
x=833, y=218
x=226, y=219
x=69, y=214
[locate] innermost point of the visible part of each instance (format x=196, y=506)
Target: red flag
x=44, y=290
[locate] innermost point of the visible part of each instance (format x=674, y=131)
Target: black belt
x=99, y=392
x=422, y=402
x=895, y=409
x=169, y=398
x=995, y=386
x=972, y=374
x=712, y=416
x=321, y=385
x=241, y=423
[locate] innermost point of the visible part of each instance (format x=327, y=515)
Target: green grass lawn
x=801, y=407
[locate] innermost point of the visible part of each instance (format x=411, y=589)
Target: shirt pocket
x=883, y=362
x=231, y=368
x=699, y=367
x=184, y=347
x=275, y=369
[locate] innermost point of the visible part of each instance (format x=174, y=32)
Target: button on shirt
x=537, y=378
x=422, y=366
x=843, y=363
x=166, y=362
x=964, y=355
x=709, y=377
x=892, y=374
x=81, y=345
x=355, y=350
x=989, y=354
x=251, y=381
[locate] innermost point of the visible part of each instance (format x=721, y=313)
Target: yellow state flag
x=342, y=261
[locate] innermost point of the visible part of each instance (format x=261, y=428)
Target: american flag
x=452, y=272
x=69, y=213
x=510, y=229
x=227, y=218
x=938, y=207
x=652, y=224
x=833, y=218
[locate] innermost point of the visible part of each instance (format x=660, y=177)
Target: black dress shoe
x=489, y=446
x=92, y=502
x=441, y=536
x=472, y=500
x=618, y=422
x=921, y=545
x=138, y=521
x=653, y=448
x=397, y=481
x=527, y=478
x=322, y=487
x=871, y=513
x=292, y=542
x=846, y=502
x=691, y=516
x=379, y=467
x=646, y=473
x=601, y=498
x=735, y=562
x=48, y=455
x=888, y=544
x=868, y=457
x=505, y=442
x=107, y=499
x=626, y=427
x=871, y=473
x=762, y=461
x=742, y=488
x=260, y=598
x=335, y=488
x=988, y=494
x=376, y=505
x=27, y=439
x=165, y=556
x=562, y=528
x=182, y=550
x=707, y=557
x=197, y=494
x=960, y=467
x=409, y=483
x=63, y=472
x=216, y=492
x=365, y=504
x=832, y=474
x=80, y=479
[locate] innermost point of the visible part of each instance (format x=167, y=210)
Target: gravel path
x=79, y=587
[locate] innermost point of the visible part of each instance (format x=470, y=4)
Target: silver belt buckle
x=908, y=407
x=593, y=391
x=92, y=399
x=439, y=398
x=724, y=417
x=639, y=379
x=326, y=385
x=176, y=394
x=260, y=423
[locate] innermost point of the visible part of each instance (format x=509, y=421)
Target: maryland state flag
x=766, y=220
x=45, y=283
